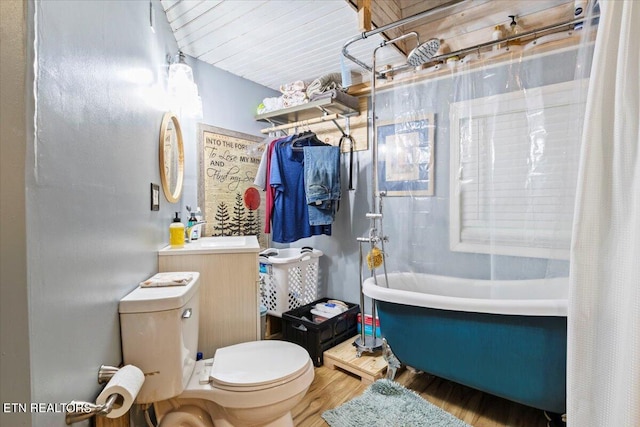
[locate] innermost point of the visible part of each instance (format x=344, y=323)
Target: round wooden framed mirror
x=171, y=157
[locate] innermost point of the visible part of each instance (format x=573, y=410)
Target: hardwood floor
x=330, y=388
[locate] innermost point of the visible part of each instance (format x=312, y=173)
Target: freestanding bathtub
x=507, y=338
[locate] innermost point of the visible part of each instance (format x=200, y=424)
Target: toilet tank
x=159, y=329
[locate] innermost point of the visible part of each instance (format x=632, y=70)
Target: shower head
x=423, y=52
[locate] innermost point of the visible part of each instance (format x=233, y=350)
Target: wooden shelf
x=308, y=111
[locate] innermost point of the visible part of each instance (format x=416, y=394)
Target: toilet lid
x=258, y=363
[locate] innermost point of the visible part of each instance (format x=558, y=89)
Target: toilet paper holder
x=77, y=411
x=105, y=373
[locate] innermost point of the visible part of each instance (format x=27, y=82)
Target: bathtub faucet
x=375, y=236
x=372, y=239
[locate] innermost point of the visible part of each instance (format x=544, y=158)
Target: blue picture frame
x=406, y=156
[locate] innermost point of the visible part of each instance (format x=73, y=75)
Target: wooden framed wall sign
x=228, y=163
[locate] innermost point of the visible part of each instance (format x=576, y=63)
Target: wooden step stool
x=369, y=367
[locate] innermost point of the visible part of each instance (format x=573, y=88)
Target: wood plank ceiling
x=270, y=42
x=273, y=42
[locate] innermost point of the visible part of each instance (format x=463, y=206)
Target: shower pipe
x=376, y=214
x=442, y=58
x=374, y=152
x=534, y=34
x=442, y=8
x=362, y=343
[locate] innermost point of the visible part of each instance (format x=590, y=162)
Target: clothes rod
x=301, y=123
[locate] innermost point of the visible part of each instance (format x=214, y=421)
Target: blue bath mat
x=388, y=404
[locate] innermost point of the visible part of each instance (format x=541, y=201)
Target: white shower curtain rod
x=534, y=34
x=442, y=8
x=442, y=58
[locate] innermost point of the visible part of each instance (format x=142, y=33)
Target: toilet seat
x=257, y=365
x=287, y=384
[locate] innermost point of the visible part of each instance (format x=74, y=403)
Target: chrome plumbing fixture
x=442, y=9
x=105, y=373
x=80, y=411
x=448, y=9
x=77, y=411
x=423, y=52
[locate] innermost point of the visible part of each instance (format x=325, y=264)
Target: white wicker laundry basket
x=289, y=278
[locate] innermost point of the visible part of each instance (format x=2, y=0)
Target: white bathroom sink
x=223, y=244
x=223, y=241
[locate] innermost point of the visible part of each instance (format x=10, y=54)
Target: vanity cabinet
x=228, y=267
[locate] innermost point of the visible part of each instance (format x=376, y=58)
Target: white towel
x=294, y=98
x=324, y=83
x=297, y=86
x=167, y=279
x=270, y=104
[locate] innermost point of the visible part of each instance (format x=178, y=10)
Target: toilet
x=254, y=383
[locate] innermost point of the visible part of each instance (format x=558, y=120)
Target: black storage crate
x=298, y=327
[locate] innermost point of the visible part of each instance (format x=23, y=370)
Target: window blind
x=513, y=171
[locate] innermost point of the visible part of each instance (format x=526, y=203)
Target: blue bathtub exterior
x=519, y=358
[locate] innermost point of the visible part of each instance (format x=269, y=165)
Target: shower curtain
x=604, y=313
x=478, y=162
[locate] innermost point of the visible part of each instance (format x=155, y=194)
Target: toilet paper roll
x=126, y=383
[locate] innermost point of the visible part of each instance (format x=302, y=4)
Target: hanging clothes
x=290, y=216
x=262, y=179
x=322, y=183
x=270, y=191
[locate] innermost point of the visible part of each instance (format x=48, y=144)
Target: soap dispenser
x=176, y=233
x=497, y=35
x=191, y=226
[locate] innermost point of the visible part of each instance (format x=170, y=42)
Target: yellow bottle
x=176, y=233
